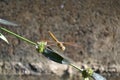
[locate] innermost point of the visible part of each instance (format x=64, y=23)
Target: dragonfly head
x=41, y=46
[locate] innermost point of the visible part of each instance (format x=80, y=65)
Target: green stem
x=81, y=70
x=76, y=67
x=20, y=37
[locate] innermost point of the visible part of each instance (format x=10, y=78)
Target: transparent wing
x=60, y=44
x=72, y=44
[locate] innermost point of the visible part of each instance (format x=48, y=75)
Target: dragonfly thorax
x=61, y=46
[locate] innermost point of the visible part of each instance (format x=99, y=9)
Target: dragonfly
x=55, y=56
x=61, y=45
x=9, y=23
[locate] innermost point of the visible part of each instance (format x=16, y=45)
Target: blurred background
x=94, y=25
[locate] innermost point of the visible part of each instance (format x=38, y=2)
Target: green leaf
x=5, y=22
x=18, y=36
x=97, y=76
x=3, y=38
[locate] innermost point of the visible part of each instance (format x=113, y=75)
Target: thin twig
x=18, y=36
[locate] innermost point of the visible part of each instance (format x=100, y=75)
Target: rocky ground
x=91, y=24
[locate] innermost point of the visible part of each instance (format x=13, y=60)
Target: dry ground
x=92, y=24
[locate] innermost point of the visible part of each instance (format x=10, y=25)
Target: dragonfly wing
x=71, y=44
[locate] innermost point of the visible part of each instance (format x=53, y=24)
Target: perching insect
x=60, y=44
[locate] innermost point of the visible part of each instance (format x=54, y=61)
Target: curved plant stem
x=76, y=67
x=33, y=43
x=94, y=75
x=20, y=37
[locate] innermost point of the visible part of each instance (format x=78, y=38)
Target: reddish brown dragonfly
x=60, y=44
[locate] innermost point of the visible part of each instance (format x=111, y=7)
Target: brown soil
x=94, y=25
